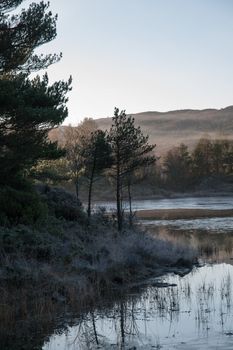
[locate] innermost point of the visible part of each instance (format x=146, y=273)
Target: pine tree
x=29, y=108
x=74, y=141
x=130, y=151
x=97, y=158
x=21, y=34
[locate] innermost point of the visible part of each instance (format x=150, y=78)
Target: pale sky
x=143, y=55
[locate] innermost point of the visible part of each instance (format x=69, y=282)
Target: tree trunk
x=122, y=324
x=77, y=190
x=90, y=192
x=118, y=196
x=130, y=204
x=119, y=213
x=94, y=328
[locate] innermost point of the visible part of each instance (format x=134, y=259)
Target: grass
x=176, y=214
x=72, y=265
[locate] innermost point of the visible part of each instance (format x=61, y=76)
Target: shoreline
x=177, y=214
x=168, y=195
x=72, y=281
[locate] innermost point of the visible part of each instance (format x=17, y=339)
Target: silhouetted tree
x=220, y=156
x=228, y=158
x=178, y=167
x=5, y=5
x=74, y=140
x=29, y=108
x=22, y=33
x=130, y=151
x=201, y=157
x=97, y=157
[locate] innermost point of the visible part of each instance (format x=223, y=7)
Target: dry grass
x=176, y=214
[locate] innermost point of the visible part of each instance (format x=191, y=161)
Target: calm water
x=176, y=203
x=194, y=312
x=210, y=225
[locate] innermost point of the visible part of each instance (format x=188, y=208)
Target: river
x=190, y=312
x=216, y=203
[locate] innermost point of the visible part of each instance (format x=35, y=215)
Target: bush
x=62, y=204
x=20, y=207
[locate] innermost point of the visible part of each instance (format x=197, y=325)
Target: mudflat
x=176, y=214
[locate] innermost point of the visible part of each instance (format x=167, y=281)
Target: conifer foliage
x=130, y=151
x=29, y=108
x=22, y=33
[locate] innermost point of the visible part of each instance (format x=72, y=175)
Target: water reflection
x=212, y=245
x=194, y=314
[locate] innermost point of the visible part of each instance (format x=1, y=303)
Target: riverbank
x=70, y=265
x=177, y=214
x=89, y=257
x=213, y=186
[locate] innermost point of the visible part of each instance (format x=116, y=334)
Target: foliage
x=28, y=109
x=212, y=157
x=5, y=5
x=96, y=158
x=177, y=164
x=61, y=204
x=184, y=169
x=74, y=141
x=202, y=158
x=52, y=172
x=130, y=151
x=20, y=207
x=21, y=34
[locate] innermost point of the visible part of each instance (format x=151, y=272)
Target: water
x=193, y=312
x=206, y=224
x=216, y=203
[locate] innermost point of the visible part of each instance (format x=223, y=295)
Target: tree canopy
x=29, y=108
x=130, y=151
x=22, y=33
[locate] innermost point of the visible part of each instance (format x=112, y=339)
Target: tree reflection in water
x=198, y=308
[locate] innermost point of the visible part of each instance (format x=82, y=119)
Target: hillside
x=167, y=129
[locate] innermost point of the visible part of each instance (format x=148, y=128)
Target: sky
x=143, y=55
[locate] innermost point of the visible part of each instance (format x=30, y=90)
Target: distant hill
x=168, y=129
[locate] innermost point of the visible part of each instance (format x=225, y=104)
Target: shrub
x=20, y=207
x=62, y=204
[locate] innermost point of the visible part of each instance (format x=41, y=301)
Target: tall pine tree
x=29, y=108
